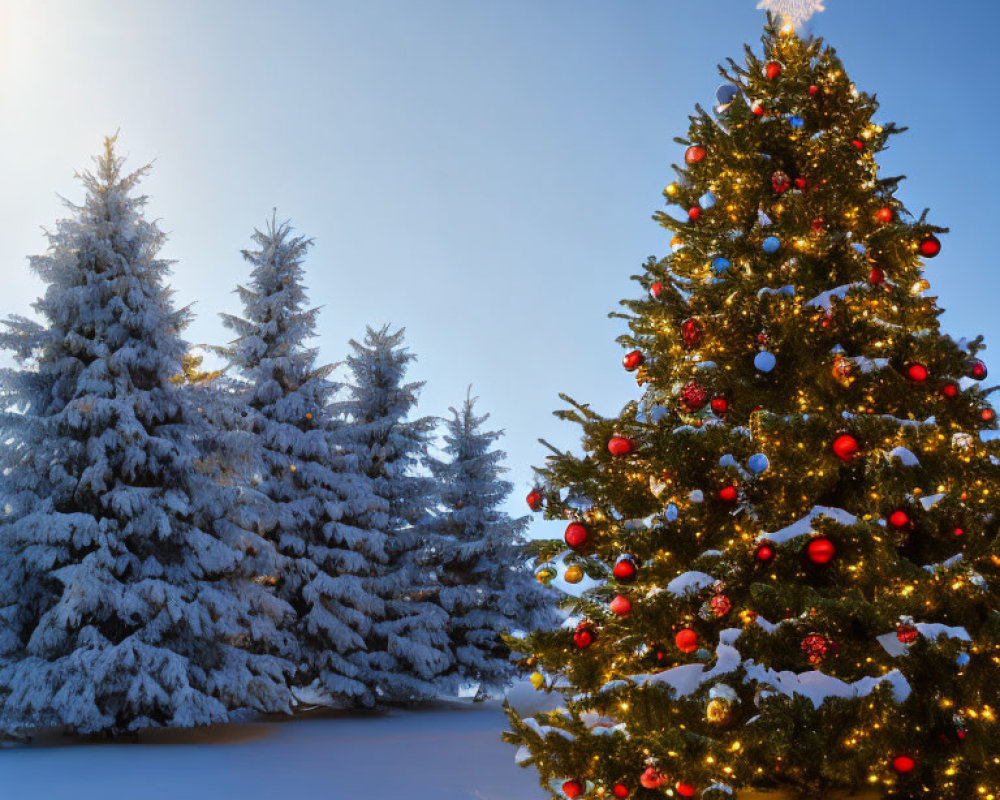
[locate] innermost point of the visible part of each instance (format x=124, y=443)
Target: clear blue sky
x=480, y=172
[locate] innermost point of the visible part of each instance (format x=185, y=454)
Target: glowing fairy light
x=793, y=13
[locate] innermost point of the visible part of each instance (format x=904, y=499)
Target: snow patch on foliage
x=824, y=300
x=905, y=456
x=930, y=630
x=689, y=583
x=803, y=526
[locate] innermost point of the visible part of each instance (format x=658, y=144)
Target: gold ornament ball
x=537, y=680
x=718, y=711
x=573, y=574
x=545, y=575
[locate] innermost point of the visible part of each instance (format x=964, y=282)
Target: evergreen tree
x=477, y=554
x=408, y=642
x=316, y=507
x=124, y=601
x=793, y=532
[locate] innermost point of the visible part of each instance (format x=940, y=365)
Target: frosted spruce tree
x=408, y=642
x=316, y=506
x=123, y=603
x=486, y=588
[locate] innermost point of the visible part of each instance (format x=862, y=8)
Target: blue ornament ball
x=720, y=265
x=796, y=121
x=765, y=361
x=758, y=463
x=671, y=513
x=772, y=244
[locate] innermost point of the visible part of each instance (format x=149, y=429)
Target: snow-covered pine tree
x=486, y=588
x=316, y=505
x=408, y=642
x=124, y=604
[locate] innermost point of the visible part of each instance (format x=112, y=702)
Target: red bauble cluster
x=572, y=789
x=692, y=332
x=820, y=550
x=625, y=569
x=929, y=246
x=632, y=361
x=695, y=154
x=620, y=446
x=693, y=396
x=534, y=500
x=816, y=646
x=576, y=534
x=686, y=640
x=846, y=447
x=916, y=373
x=583, y=636
x=720, y=605
x=906, y=631
x=652, y=779
x=780, y=182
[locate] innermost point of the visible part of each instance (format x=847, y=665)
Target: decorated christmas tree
x=792, y=533
x=477, y=554
x=125, y=599
x=315, y=502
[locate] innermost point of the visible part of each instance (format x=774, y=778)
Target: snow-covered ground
x=449, y=752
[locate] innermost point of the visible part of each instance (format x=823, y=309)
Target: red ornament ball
x=720, y=605
x=576, y=534
x=534, y=500
x=860, y=145
x=977, y=370
x=821, y=550
x=728, y=494
x=632, y=361
x=899, y=519
x=772, y=70
x=876, y=277
x=572, y=789
x=884, y=215
x=620, y=790
x=766, y=551
x=720, y=405
x=656, y=290
x=695, y=154
x=620, y=446
x=813, y=90
x=958, y=531
x=800, y=184
x=693, y=396
x=757, y=109
x=845, y=447
x=949, y=390
x=686, y=640
x=988, y=415
x=929, y=246
x=652, y=779
x=916, y=373
x=621, y=606
x=692, y=332
x=903, y=764
x=583, y=636
x=694, y=213
x=906, y=631
x=625, y=569
x=780, y=182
